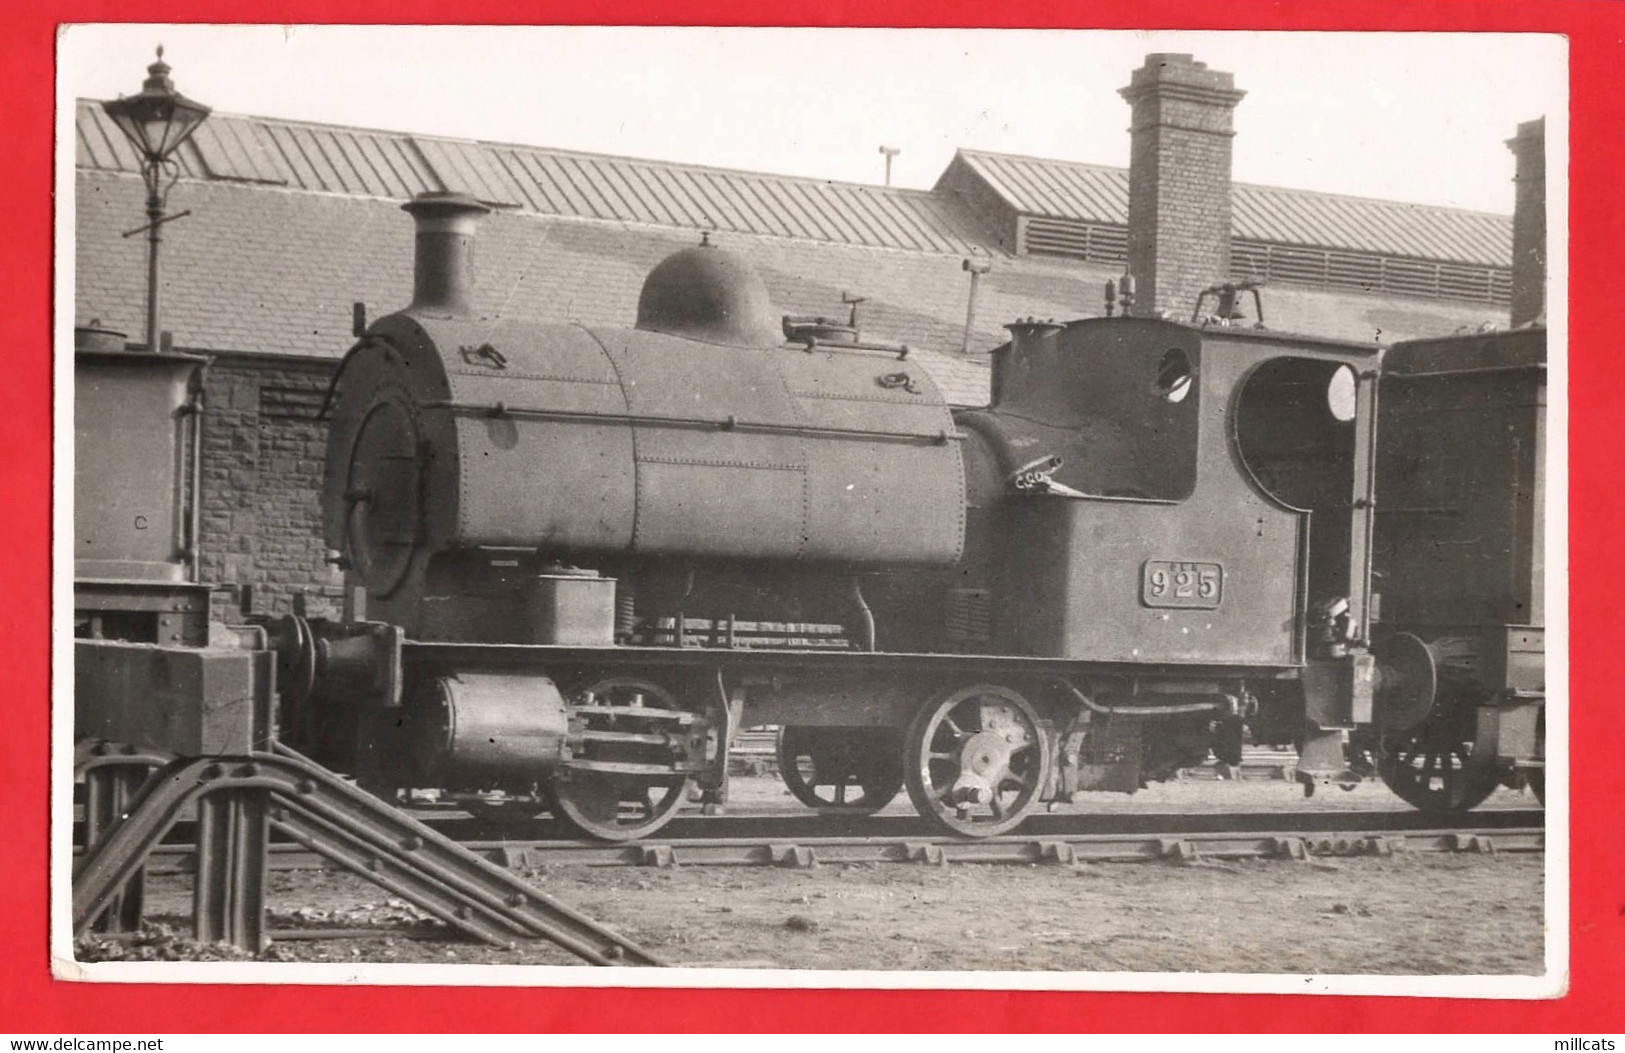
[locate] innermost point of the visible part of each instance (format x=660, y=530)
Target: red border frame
x=31, y=1001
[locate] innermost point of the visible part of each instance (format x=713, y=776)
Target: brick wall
x=1529, y=223
x=263, y=454
x=1179, y=180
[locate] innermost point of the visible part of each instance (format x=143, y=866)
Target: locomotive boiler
x=580, y=558
x=676, y=440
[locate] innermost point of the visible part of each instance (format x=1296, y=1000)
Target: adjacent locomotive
x=1460, y=565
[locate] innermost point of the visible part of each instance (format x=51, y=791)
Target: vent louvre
x=1289, y=264
x=1370, y=273
x=1075, y=239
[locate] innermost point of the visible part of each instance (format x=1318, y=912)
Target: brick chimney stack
x=1529, y=223
x=1179, y=180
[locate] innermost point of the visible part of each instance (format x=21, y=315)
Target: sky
x=1405, y=117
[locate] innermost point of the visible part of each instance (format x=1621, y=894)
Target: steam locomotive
x=579, y=559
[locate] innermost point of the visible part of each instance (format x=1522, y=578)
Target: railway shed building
x=292, y=223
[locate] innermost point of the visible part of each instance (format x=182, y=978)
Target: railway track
x=806, y=840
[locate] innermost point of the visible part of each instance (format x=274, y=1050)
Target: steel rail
x=807, y=824
x=1287, y=841
x=1010, y=849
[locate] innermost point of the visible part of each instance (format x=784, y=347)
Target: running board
x=345, y=825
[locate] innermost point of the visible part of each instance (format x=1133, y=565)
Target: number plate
x=1173, y=583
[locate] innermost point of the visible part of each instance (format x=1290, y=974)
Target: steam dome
x=709, y=294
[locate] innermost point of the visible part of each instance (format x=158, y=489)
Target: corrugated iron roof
x=256, y=269
x=337, y=160
x=262, y=271
x=1099, y=194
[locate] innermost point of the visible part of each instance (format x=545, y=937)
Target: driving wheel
x=1536, y=777
x=975, y=760
x=1431, y=766
x=853, y=771
x=613, y=789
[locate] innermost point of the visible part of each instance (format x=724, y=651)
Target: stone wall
x=263, y=458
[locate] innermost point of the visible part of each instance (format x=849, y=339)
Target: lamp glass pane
x=187, y=116
x=156, y=132
x=133, y=130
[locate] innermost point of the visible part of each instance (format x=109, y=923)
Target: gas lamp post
x=156, y=121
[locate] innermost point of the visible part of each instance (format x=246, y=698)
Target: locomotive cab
x=1195, y=492
x=1180, y=501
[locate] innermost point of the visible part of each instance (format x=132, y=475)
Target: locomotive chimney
x=1179, y=180
x=1529, y=223
x=443, y=271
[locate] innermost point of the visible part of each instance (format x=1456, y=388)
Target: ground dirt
x=1404, y=914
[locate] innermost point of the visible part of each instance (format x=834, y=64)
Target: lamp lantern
x=157, y=120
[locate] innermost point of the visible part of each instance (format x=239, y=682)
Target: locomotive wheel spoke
x=1432, y=768
x=615, y=807
x=849, y=771
x=989, y=780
